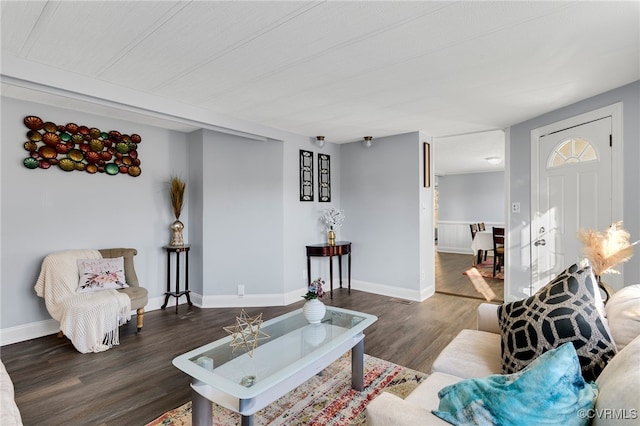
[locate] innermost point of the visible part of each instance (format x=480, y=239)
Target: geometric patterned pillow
x=101, y=274
x=562, y=311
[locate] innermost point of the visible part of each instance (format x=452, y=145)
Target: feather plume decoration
x=176, y=190
x=607, y=249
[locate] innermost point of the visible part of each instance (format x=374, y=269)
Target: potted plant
x=314, y=309
x=333, y=219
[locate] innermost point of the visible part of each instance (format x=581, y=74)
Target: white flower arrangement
x=333, y=218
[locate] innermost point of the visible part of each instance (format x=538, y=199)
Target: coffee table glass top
x=293, y=345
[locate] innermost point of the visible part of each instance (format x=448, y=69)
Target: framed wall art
x=427, y=165
x=306, y=175
x=324, y=178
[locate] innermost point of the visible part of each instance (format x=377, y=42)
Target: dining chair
x=474, y=230
x=498, y=249
x=482, y=228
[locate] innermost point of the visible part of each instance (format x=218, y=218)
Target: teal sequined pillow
x=549, y=391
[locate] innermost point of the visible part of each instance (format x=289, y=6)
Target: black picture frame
x=324, y=178
x=306, y=175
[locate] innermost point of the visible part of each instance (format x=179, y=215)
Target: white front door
x=574, y=191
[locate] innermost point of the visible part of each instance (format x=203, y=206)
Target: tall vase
x=331, y=237
x=314, y=311
x=176, y=233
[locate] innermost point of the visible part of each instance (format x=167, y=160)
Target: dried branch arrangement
x=605, y=250
x=176, y=190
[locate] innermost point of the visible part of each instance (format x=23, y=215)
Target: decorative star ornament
x=246, y=333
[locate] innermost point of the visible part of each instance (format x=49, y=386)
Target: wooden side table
x=177, y=294
x=339, y=249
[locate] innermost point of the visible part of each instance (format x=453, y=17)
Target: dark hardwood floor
x=133, y=383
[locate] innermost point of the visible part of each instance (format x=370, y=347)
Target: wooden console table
x=339, y=249
x=177, y=294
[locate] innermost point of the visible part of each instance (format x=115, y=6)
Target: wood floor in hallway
x=449, y=268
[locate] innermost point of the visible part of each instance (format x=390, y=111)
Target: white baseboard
x=29, y=331
x=454, y=250
x=385, y=290
x=37, y=329
x=249, y=300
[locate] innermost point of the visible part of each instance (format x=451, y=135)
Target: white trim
x=252, y=300
x=386, y=290
x=29, y=331
x=507, y=214
x=38, y=329
x=615, y=112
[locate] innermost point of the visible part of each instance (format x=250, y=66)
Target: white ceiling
x=339, y=69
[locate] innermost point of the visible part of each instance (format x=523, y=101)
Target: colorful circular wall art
x=81, y=148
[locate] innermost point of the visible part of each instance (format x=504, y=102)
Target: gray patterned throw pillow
x=562, y=311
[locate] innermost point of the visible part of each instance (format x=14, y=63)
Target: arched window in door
x=570, y=151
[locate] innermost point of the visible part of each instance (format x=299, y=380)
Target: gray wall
x=472, y=197
x=519, y=141
x=242, y=215
x=381, y=190
x=50, y=210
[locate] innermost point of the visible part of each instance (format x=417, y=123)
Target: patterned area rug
x=486, y=270
x=325, y=399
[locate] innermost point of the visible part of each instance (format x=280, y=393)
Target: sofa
x=477, y=354
x=9, y=413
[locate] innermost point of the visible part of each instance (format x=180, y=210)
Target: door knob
x=541, y=242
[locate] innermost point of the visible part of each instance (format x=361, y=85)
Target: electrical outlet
x=240, y=290
x=515, y=207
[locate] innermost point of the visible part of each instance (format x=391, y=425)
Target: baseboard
x=29, y=331
x=454, y=250
x=37, y=329
x=249, y=300
x=385, y=290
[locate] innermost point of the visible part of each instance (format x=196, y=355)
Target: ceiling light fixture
x=367, y=141
x=320, y=141
x=493, y=160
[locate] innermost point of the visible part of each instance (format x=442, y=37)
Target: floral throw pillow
x=101, y=274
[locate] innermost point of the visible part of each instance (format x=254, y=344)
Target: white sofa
x=9, y=413
x=476, y=353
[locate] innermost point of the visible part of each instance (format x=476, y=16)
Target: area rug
x=486, y=270
x=325, y=399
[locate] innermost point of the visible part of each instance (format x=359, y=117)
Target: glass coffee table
x=294, y=352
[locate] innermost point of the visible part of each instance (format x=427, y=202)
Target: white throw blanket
x=89, y=320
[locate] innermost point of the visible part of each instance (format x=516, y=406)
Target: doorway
x=468, y=189
x=573, y=186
